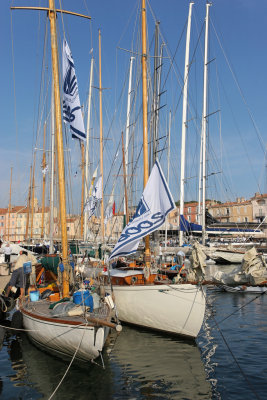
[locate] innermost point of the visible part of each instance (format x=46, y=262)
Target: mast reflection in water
x=138, y=365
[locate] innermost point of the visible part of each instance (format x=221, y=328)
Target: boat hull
x=175, y=309
x=63, y=338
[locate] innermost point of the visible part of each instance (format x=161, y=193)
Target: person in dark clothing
x=121, y=263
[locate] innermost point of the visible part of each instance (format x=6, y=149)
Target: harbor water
x=227, y=361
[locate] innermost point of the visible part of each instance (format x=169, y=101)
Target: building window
x=227, y=211
x=245, y=219
x=189, y=210
x=189, y=218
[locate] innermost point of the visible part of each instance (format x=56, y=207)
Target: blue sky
x=240, y=25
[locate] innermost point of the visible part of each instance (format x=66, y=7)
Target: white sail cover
x=72, y=113
x=109, y=209
x=93, y=201
x=155, y=204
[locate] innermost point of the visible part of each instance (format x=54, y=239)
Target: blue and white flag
x=155, y=204
x=93, y=201
x=72, y=112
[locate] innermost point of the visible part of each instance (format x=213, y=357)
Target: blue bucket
x=35, y=295
x=83, y=298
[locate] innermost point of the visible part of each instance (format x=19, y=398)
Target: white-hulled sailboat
x=66, y=333
x=142, y=297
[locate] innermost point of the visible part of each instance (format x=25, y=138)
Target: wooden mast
x=145, y=133
x=28, y=206
x=43, y=191
x=101, y=140
x=125, y=181
x=52, y=11
x=82, y=199
x=9, y=205
x=59, y=143
x=32, y=201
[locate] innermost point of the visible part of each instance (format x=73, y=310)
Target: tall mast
x=125, y=182
x=9, y=204
x=59, y=137
x=51, y=219
x=101, y=141
x=59, y=142
x=155, y=94
x=168, y=176
x=145, y=134
x=184, y=122
x=28, y=206
x=128, y=126
x=87, y=147
x=204, y=126
x=32, y=201
x=43, y=192
x=83, y=182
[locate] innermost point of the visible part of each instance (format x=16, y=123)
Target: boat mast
x=51, y=225
x=155, y=94
x=43, y=192
x=52, y=11
x=168, y=176
x=145, y=134
x=9, y=205
x=125, y=181
x=204, y=126
x=82, y=197
x=32, y=201
x=28, y=206
x=184, y=122
x=101, y=140
x=128, y=126
x=60, y=151
x=87, y=147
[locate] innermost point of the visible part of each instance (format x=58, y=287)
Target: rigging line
x=136, y=6
x=237, y=310
x=236, y=361
x=91, y=32
x=67, y=370
x=240, y=91
x=228, y=347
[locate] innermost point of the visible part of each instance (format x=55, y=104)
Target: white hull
x=176, y=309
x=64, y=339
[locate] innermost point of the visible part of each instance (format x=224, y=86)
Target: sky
x=237, y=89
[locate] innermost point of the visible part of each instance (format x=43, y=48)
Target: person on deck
x=7, y=251
x=180, y=257
x=18, y=278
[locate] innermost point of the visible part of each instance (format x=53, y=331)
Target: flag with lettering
x=155, y=204
x=72, y=112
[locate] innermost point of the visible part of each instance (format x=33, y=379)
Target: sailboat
x=74, y=331
x=143, y=297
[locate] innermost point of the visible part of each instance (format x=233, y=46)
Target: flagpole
x=145, y=134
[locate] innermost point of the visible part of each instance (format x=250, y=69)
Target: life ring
x=134, y=279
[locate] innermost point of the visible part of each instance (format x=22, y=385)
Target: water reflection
x=138, y=365
x=157, y=366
